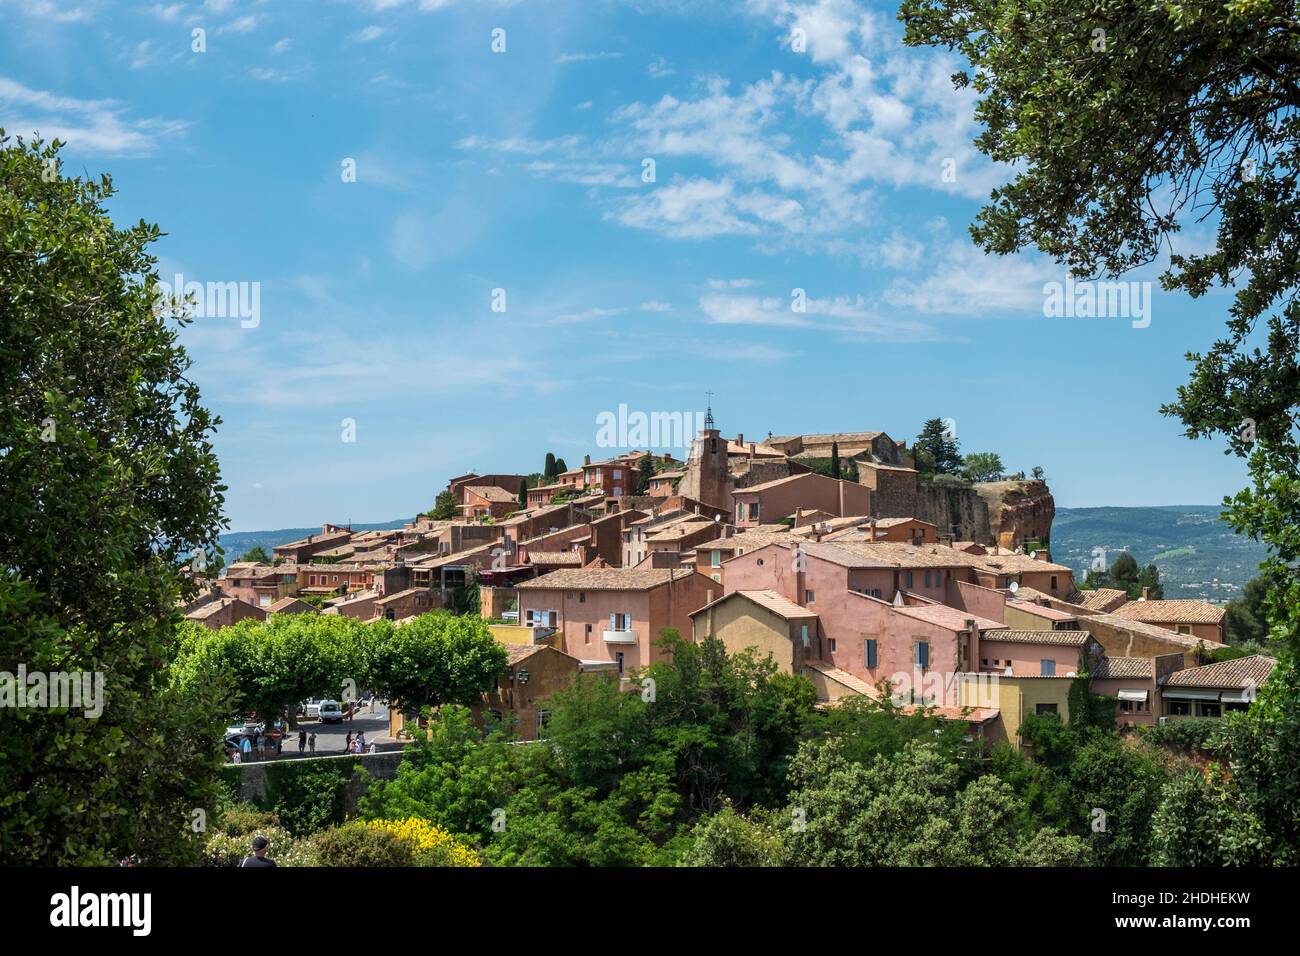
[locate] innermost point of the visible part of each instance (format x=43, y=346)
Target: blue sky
x=821, y=169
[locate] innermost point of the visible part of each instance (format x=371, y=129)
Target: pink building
x=777, y=500
x=614, y=614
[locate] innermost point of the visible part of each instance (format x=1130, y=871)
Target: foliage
x=936, y=452
x=110, y=486
x=1190, y=736
x=258, y=554
x=445, y=506
x=433, y=659
x=308, y=795
x=1244, y=618
x=431, y=845
x=728, y=838
x=361, y=844
x=982, y=466
x=644, y=472
x=1125, y=575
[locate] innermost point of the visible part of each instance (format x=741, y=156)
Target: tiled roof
x=844, y=678
x=569, y=558
x=1171, y=612
x=1018, y=564
x=1124, y=668
x=888, y=554
x=1240, y=673
x=949, y=617
x=1058, y=638
x=605, y=579
x=1162, y=634
x=779, y=482
x=288, y=602
x=493, y=493
x=750, y=538
x=1041, y=610
x=1099, y=599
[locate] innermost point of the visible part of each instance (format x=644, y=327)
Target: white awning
x=1182, y=693
x=1238, y=696
x=1132, y=694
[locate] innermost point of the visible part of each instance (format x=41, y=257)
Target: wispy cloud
x=99, y=127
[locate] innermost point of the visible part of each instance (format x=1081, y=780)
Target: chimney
x=1146, y=594
x=586, y=459
x=740, y=438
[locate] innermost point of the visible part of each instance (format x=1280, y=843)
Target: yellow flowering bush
x=432, y=845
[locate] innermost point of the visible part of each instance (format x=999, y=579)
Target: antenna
x=708, y=414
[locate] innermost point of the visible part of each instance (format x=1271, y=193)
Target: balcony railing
x=620, y=637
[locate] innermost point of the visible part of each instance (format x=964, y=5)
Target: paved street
x=331, y=737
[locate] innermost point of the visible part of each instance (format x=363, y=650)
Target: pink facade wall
x=1111, y=687
x=982, y=602
x=1026, y=659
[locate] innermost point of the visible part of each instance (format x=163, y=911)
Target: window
x=715, y=558
x=582, y=597
x=740, y=551
x=543, y=718
x=832, y=645
x=803, y=633
x=869, y=653
x=717, y=578
x=1210, y=709
x=588, y=634
x=1047, y=667
x=1184, y=629
x=619, y=657
x=908, y=578
x=1053, y=582
x=938, y=577
x=1178, y=708
x=927, y=579
x=620, y=622
x=753, y=511
x=808, y=597
x=921, y=654
x=1041, y=709
x=740, y=511
x=618, y=474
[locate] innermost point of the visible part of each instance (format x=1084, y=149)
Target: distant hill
x=238, y=543
x=1199, y=556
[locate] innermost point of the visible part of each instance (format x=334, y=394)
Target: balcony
x=620, y=637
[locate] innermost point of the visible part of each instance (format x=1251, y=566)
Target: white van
x=331, y=712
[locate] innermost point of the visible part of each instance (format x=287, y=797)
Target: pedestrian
x=372, y=705
x=279, y=742
x=311, y=741
x=261, y=743
x=372, y=748
x=259, y=857
x=302, y=739
x=347, y=746
x=247, y=746
x=352, y=709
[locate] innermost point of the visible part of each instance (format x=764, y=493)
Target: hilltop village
x=943, y=595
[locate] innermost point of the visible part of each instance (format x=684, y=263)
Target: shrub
x=308, y=795
x=360, y=844
x=432, y=845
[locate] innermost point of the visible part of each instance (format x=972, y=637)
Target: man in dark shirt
x=259, y=857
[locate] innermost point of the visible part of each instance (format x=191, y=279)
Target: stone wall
x=382, y=765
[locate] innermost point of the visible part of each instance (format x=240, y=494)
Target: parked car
x=331, y=712
x=310, y=708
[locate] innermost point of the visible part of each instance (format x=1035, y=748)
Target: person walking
x=258, y=857
x=311, y=741
x=347, y=745
x=302, y=739
x=247, y=746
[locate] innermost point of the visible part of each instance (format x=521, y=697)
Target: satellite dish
x=1013, y=587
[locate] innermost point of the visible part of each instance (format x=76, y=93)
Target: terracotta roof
x=288, y=602
x=492, y=493
x=888, y=554
x=1018, y=564
x=1171, y=612
x=949, y=617
x=770, y=600
x=518, y=652
x=1041, y=610
x=605, y=579
x=1242, y=672
x=1124, y=668
x=778, y=482
x=1099, y=599
x=1162, y=634
x=844, y=678
x=1061, y=638
x=750, y=538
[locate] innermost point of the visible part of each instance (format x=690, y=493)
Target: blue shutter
x=922, y=653
x=871, y=654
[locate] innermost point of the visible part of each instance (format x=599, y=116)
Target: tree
x=110, y=487
x=560, y=467
x=1038, y=474
x=1244, y=618
x=645, y=471
x=982, y=466
x=936, y=449
x=523, y=494
x=1125, y=575
x=835, y=461
x=433, y=659
x=445, y=506
x=257, y=554
x=728, y=838
x=549, y=472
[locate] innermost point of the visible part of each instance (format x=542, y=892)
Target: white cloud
x=368, y=34
x=587, y=57
x=244, y=24
x=282, y=45
x=98, y=127
x=843, y=315
x=654, y=305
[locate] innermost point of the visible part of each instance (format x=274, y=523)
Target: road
x=330, y=738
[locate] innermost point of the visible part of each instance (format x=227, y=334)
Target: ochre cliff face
x=1019, y=511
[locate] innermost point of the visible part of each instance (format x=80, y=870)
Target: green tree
x=560, y=467
x=936, y=451
x=982, y=466
x=728, y=838
x=110, y=486
x=835, y=461
x=445, y=507
x=258, y=554
x=645, y=470
x=549, y=472
x=523, y=494
x=1127, y=576
x=1245, y=619
x=1038, y=474
x=434, y=659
